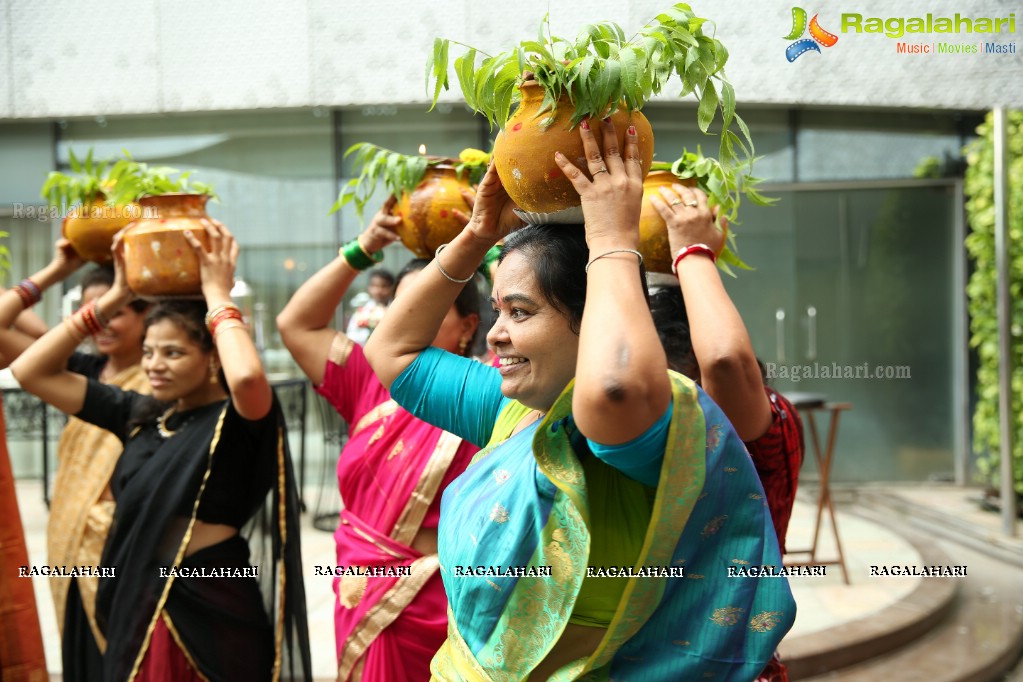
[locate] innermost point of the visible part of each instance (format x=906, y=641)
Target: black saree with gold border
x=237, y=608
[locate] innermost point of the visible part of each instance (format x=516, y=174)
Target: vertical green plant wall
x=980, y=244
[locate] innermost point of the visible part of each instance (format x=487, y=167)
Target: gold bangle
x=221, y=328
x=212, y=314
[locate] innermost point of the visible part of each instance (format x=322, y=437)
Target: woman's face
x=534, y=341
x=453, y=329
x=178, y=369
x=123, y=336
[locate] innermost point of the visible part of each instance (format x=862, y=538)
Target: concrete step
x=893, y=627
x=957, y=522
x=979, y=640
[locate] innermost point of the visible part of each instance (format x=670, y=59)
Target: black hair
x=558, y=255
x=100, y=275
x=103, y=276
x=668, y=309
x=384, y=274
x=469, y=300
x=189, y=315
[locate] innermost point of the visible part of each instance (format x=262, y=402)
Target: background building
x=859, y=262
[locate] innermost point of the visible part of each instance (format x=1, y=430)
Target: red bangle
x=692, y=248
x=222, y=317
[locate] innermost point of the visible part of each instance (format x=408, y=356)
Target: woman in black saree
x=204, y=476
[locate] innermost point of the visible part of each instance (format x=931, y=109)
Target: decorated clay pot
x=524, y=150
x=91, y=228
x=159, y=261
x=653, y=233
x=428, y=218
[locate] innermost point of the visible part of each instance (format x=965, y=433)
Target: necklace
x=161, y=425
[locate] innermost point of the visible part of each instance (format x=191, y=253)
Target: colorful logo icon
x=818, y=36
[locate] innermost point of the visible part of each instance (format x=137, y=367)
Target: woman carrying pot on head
x=203, y=457
x=82, y=506
x=704, y=338
x=391, y=472
x=596, y=458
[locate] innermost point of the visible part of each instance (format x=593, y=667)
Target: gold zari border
x=384, y=612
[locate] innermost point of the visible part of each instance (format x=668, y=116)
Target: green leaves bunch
x=89, y=182
x=981, y=293
x=724, y=187
x=399, y=173
x=133, y=180
x=118, y=184
x=601, y=71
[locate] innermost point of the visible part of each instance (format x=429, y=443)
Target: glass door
x=854, y=297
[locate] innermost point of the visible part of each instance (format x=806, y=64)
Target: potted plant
x=159, y=261
x=90, y=221
x=428, y=190
x=557, y=83
x=724, y=187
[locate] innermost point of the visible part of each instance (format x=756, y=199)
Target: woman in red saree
x=390, y=473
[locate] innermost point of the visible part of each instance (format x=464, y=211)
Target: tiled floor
x=822, y=601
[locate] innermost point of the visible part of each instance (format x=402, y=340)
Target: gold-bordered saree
x=708, y=513
x=79, y=516
x=390, y=472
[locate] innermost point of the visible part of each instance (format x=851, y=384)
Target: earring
x=463, y=343
x=214, y=372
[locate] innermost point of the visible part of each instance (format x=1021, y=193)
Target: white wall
x=67, y=58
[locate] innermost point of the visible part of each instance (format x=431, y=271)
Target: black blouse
x=236, y=485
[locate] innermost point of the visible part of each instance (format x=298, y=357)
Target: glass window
x=675, y=130
x=834, y=145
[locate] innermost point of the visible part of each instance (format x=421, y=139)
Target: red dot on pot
x=443, y=213
x=554, y=173
x=516, y=126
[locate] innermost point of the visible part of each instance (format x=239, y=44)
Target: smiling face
x=534, y=341
x=122, y=338
x=177, y=367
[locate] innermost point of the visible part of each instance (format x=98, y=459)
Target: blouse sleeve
x=454, y=393
x=640, y=459
x=108, y=407
x=345, y=377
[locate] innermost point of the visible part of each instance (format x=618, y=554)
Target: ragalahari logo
x=818, y=36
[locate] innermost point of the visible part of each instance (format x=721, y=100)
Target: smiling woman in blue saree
x=594, y=456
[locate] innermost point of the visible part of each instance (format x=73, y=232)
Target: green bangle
x=356, y=256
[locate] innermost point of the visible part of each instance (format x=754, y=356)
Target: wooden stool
x=824, y=460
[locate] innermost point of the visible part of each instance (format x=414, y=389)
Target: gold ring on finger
x=677, y=202
x=603, y=169
x=692, y=203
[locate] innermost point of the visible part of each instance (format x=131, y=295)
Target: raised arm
x=250, y=390
x=414, y=317
x=305, y=322
x=729, y=372
x=19, y=326
x=42, y=368
x=621, y=381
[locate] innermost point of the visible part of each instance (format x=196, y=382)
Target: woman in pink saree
x=391, y=610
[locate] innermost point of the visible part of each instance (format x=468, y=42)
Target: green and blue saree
x=547, y=497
